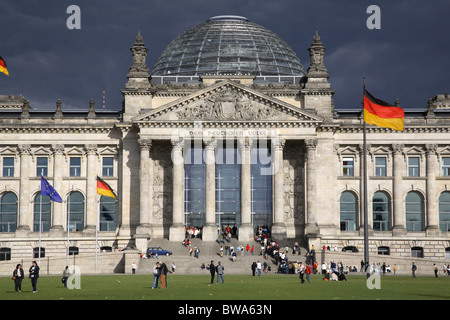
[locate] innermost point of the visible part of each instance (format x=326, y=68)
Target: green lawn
x=236, y=287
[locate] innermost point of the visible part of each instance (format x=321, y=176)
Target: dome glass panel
x=228, y=45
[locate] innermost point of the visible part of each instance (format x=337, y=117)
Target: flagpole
x=96, y=235
x=68, y=224
x=366, y=225
x=40, y=226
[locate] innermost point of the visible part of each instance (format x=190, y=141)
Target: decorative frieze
x=227, y=104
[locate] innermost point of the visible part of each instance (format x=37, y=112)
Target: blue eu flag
x=47, y=190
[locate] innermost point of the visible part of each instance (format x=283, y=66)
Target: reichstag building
x=227, y=129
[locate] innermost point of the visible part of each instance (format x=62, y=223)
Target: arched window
x=107, y=214
x=414, y=211
x=444, y=211
x=381, y=207
x=8, y=212
x=44, y=210
x=75, y=211
x=348, y=209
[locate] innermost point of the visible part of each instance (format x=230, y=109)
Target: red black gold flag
x=3, y=67
x=383, y=114
x=104, y=189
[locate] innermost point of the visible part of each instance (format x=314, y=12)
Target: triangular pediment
x=228, y=101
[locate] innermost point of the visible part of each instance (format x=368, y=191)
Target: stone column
x=128, y=202
x=143, y=231
x=399, y=223
x=311, y=228
x=279, y=227
x=177, y=229
x=58, y=173
x=91, y=189
x=25, y=215
x=209, y=232
x=246, y=228
x=432, y=227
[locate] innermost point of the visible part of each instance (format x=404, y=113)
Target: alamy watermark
x=74, y=280
x=74, y=20
x=373, y=278
x=374, y=20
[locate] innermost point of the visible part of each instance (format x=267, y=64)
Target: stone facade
x=145, y=145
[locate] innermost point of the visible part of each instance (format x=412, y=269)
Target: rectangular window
x=75, y=166
x=108, y=166
x=42, y=166
x=446, y=166
x=348, y=167
x=413, y=167
x=8, y=166
x=380, y=166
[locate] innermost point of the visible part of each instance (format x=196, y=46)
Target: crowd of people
x=193, y=232
x=445, y=270
x=226, y=233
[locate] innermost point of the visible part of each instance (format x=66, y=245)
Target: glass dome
x=228, y=45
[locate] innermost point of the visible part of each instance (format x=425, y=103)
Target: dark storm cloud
x=406, y=59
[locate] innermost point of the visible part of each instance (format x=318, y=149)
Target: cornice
x=226, y=124
x=358, y=128
x=43, y=128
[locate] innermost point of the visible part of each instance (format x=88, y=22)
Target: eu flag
x=47, y=190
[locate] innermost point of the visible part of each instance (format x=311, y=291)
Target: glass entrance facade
x=194, y=187
x=261, y=175
x=227, y=187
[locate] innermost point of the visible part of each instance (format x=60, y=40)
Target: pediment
x=228, y=101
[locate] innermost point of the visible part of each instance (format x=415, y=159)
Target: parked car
x=158, y=250
x=350, y=249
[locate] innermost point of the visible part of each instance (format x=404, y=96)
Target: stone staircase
x=186, y=264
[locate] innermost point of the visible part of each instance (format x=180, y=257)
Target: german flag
x=105, y=189
x=383, y=114
x=3, y=67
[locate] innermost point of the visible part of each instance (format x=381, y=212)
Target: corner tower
x=137, y=93
x=317, y=91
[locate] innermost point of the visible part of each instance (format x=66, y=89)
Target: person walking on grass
x=156, y=271
x=307, y=272
x=34, y=275
x=212, y=270
x=65, y=276
x=163, y=275
x=413, y=269
x=219, y=269
x=18, y=276
x=301, y=272
x=259, y=267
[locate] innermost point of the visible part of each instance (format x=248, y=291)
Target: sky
x=407, y=58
